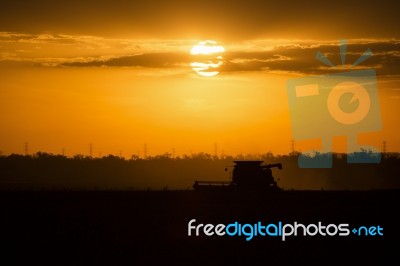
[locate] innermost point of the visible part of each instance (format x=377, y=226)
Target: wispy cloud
x=152, y=60
x=283, y=56
x=300, y=57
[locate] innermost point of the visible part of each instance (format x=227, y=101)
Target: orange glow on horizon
x=55, y=100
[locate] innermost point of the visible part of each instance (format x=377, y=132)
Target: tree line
x=48, y=171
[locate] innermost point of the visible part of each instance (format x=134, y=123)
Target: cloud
x=150, y=60
x=300, y=58
x=283, y=56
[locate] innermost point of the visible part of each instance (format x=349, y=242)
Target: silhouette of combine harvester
x=245, y=175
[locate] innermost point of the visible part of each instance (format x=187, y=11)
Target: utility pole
x=26, y=148
x=384, y=147
x=216, y=150
x=145, y=151
x=292, y=146
x=63, y=151
x=173, y=152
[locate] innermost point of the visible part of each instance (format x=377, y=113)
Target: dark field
x=150, y=227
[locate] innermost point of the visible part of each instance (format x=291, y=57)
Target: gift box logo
x=340, y=104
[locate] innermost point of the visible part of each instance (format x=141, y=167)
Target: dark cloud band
x=290, y=58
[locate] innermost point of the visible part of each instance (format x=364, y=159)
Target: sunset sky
x=117, y=73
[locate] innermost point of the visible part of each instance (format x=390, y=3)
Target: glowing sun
x=207, y=58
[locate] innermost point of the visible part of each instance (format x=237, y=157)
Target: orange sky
x=65, y=85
